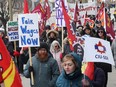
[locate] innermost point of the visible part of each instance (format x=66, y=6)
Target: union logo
x=100, y=48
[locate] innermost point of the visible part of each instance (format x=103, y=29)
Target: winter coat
x=56, y=53
x=105, y=66
x=99, y=78
x=74, y=79
x=113, y=47
x=66, y=47
x=51, y=39
x=45, y=73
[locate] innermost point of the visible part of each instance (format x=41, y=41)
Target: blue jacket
x=64, y=82
x=45, y=73
x=74, y=79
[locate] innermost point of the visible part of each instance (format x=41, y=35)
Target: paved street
x=112, y=78
x=111, y=81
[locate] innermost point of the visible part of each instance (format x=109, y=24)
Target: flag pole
x=30, y=57
x=11, y=18
x=104, y=17
x=15, y=50
x=62, y=40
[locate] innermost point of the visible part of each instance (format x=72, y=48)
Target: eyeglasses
x=100, y=31
x=56, y=46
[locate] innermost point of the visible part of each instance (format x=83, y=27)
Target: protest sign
x=12, y=28
x=59, y=15
x=97, y=50
x=28, y=30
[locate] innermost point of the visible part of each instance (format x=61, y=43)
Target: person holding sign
x=44, y=67
x=106, y=67
x=71, y=75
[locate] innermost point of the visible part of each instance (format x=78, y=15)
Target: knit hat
x=98, y=21
x=43, y=45
x=47, y=27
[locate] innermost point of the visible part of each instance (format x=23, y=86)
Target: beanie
x=43, y=45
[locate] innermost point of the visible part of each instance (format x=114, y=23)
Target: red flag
x=109, y=26
x=76, y=14
x=39, y=9
x=10, y=74
x=1, y=79
x=90, y=22
x=71, y=34
x=88, y=70
x=101, y=14
x=86, y=18
x=47, y=9
x=26, y=10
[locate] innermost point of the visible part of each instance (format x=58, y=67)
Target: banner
x=12, y=28
x=90, y=8
x=28, y=30
x=100, y=51
x=59, y=15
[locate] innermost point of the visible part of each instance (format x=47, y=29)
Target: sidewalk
x=112, y=78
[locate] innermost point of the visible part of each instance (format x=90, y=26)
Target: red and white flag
x=71, y=34
x=47, y=9
x=109, y=26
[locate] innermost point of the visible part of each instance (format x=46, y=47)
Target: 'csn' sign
x=28, y=30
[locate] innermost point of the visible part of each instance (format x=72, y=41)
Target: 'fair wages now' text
x=26, y=30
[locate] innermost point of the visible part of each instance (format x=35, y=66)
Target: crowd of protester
x=53, y=67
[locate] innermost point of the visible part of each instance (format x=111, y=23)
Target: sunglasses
x=100, y=31
x=56, y=46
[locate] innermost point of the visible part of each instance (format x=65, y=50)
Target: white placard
x=12, y=28
x=28, y=30
x=97, y=50
x=59, y=15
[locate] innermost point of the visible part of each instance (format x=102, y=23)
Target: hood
x=77, y=73
x=53, y=46
x=54, y=31
x=78, y=59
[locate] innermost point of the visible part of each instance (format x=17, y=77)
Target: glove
x=16, y=53
x=61, y=56
x=85, y=83
x=31, y=69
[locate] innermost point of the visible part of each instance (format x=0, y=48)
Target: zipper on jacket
x=40, y=71
x=71, y=84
